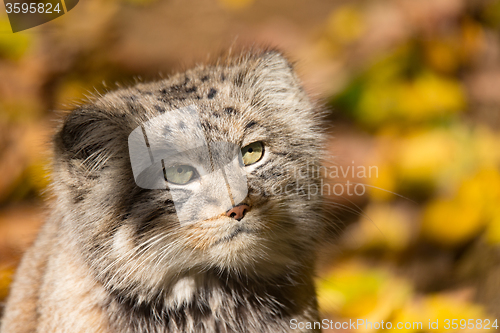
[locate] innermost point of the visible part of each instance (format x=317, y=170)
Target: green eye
x=180, y=174
x=252, y=153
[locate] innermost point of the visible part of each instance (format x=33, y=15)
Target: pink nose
x=238, y=212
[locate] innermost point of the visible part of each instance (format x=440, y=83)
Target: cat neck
x=213, y=301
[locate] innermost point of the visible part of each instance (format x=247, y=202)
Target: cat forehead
x=238, y=81
x=213, y=103
x=237, y=99
x=214, y=109
x=220, y=94
x=207, y=88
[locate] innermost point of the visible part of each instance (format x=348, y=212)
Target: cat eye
x=180, y=174
x=252, y=153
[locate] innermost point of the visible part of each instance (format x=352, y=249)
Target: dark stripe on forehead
x=211, y=93
x=135, y=108
x=160, y=109
x=207, y=126
x=129, y=98
x=250, y=124
x=239, y=78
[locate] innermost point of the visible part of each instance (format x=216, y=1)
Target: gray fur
x=113, y=258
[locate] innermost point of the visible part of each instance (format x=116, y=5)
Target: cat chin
x=245, y=256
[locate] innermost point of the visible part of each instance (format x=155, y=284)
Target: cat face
x=142, y=215
x=204, y=179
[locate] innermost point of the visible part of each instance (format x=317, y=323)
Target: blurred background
x=412, y=89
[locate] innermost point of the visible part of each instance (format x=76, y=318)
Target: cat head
x=137, y=229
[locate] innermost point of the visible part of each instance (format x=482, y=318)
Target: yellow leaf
x=451, y=222
x=346, y=24
x=352, y=290
x=383, y=183
x=422, y=157
x=429, y=96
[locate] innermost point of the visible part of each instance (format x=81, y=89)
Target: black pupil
x=179, y=170
x=250, y=150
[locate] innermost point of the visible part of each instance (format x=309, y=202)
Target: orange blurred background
x=412, y=89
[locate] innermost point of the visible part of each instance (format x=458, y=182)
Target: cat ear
x=275, y=64
x=276, y=83
x=88, y=135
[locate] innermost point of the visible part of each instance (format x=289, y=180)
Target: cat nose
x=238, y=212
